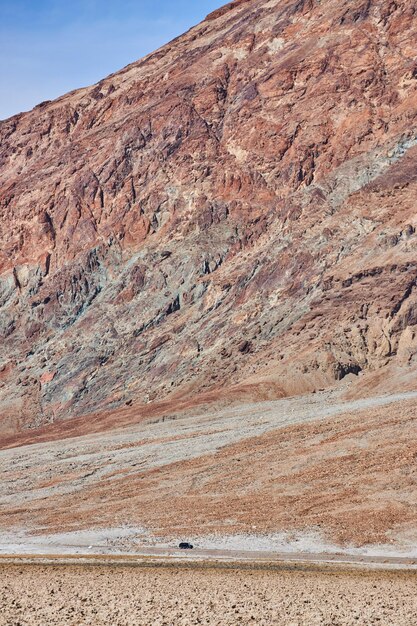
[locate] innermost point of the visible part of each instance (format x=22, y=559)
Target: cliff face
x=237, y=208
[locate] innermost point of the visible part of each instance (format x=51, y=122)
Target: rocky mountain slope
x=234, y=213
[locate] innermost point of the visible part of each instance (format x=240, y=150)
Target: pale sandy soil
x=130, y=596
x=341, y=473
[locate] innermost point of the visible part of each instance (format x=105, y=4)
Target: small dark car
x=184, y=545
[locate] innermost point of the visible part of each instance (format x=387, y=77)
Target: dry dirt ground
x=130, y=596
x=345, y=471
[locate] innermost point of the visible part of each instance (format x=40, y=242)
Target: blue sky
x=48, y=47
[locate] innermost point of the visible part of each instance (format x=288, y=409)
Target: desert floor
x=314, y=471
x=35, y=595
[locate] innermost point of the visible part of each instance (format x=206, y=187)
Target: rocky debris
x=245, y=347
x=63, y=595
x=254, y=180
x=295, y=465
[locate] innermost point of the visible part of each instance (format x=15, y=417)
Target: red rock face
x=238, y=206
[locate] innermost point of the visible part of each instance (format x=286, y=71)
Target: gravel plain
x=47, y=595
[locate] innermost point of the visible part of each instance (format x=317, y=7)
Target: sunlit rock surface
x=234, y=214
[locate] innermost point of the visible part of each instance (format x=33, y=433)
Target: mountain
x=232, y=216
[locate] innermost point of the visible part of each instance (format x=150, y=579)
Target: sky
x=49, y=47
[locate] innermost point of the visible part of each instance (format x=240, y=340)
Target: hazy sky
x=48, y=47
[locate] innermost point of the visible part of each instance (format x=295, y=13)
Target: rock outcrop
x=237, y=207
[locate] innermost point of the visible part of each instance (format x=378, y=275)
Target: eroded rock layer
x=236, y=209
